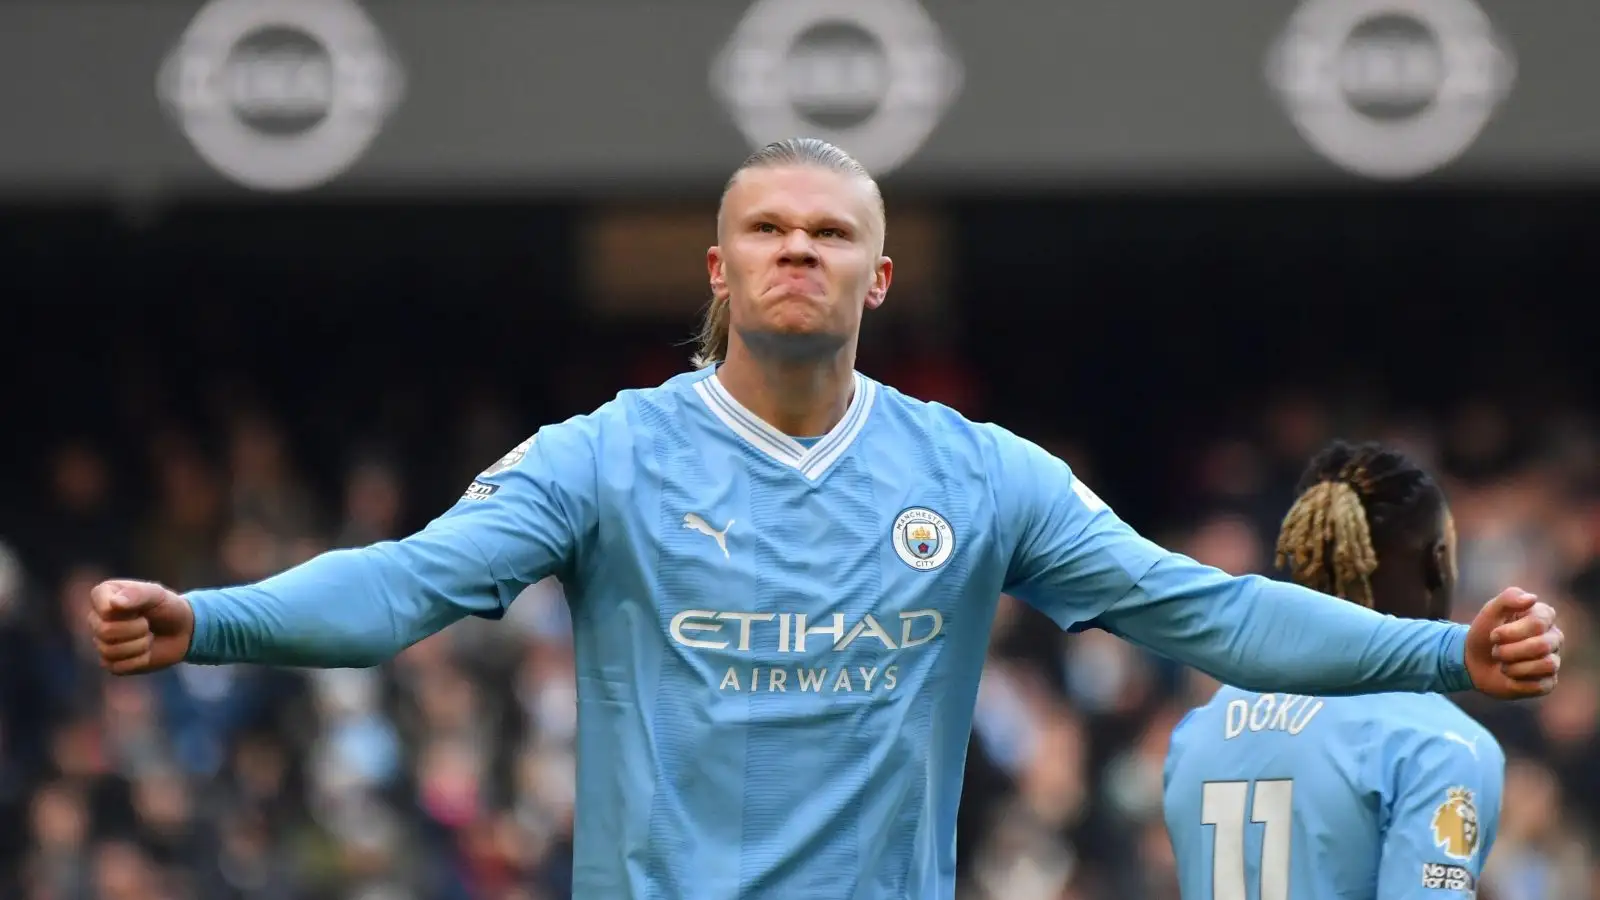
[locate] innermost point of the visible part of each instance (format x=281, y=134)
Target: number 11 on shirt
x=1222, y=806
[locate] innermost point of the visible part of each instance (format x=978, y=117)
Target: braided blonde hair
x=1326, y=542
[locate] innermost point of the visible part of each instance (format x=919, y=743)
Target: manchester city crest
x=923, y=539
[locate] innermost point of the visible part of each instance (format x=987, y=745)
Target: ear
x=714, y=268
x=879, y=291
x=1435, y=564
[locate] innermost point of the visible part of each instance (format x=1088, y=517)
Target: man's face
x=799, y=258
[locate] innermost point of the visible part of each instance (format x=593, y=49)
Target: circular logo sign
x=923, y=539
x=1391, y=88
x=280, y=96
x=872, y=77
x=511, y=458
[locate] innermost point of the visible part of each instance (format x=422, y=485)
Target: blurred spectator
x=82, y=522
x=177, y=541
x=373, y=504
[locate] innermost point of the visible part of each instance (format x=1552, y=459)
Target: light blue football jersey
x=1280, y=796
x=779, y=643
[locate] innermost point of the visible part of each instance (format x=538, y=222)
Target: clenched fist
x=1514, y=647
x=139, y=626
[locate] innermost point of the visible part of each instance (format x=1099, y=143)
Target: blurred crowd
x=447, y=775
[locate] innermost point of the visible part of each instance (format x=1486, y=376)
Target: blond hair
x=1326, y=542
x=712, y=339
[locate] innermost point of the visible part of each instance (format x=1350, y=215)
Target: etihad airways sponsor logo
x=799, y=633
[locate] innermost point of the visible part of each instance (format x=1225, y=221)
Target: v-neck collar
x=811, y=462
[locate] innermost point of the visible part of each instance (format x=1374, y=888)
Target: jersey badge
x=923, y=539
x=510, y=459
x=1455, y=824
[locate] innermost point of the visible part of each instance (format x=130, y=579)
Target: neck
x=1401, y=594
x=801, y=398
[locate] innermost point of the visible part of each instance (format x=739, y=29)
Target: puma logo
x=1471, y=745
x=694, y=523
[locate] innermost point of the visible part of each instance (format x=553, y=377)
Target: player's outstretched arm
x=1441, y=811
x=522, y=520
x=1266, y=635
x=347, y=608
x=1077, y=561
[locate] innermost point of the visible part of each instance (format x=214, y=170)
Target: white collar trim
x=812, y=462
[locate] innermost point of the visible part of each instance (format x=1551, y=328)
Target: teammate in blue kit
x=781, y=576
x=1393, y=796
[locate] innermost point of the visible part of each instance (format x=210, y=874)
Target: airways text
x=843, y=680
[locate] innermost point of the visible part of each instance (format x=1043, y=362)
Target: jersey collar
x=811, y=462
